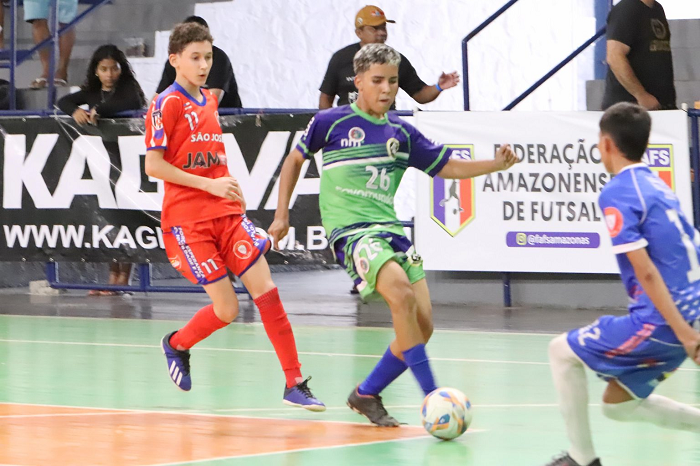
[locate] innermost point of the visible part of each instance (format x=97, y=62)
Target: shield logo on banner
x=659, y=158
x=452, y=201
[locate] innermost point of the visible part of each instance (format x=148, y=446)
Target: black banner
x=72, y=193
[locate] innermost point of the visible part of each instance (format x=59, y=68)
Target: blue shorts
x=39, y=9
x=636, y=354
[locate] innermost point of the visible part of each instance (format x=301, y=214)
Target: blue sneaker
x=300, y=395
x=178, y=364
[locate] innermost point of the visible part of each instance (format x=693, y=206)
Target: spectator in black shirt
x=110, y=87
x=221, y=79
x=639, y=55
x=370, y=27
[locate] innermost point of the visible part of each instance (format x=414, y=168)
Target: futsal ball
x=446, y=413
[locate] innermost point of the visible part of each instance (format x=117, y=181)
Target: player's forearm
x=289, y=175
x=159, y=168
x=651, y=280
x=462, y=169
x=621, y=68
x=426, y=95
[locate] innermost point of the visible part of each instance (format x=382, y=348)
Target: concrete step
x=687, y=92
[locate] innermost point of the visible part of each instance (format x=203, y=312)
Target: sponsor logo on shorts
x=243, y=249
x=539, y=239
x=363, y=265
x=175, y=262
x=614, y=221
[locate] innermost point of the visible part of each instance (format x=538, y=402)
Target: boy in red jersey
x=203, y=218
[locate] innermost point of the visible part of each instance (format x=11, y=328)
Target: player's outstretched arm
x=288, y=180
x=226, y=187
x=655, y=287
x=461, y=169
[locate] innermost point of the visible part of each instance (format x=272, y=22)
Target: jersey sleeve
x=624, y=213
x=424, y=154
x=408, y=78
x=314, y=138
x=622, y=25
x=329, y=85
x=160, y=121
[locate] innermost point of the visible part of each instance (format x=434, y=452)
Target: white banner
x=542, y=215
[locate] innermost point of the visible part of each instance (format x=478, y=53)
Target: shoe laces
x=561, y=459
x=303, y=387
x=382, y=410
x=185, y=356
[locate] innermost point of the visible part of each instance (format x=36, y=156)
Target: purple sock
x=417, y=360
x=388, y=369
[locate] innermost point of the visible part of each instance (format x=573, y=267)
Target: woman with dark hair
x=110, y=87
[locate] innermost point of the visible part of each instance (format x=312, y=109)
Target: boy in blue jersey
x=658, y=252
x=365, y=154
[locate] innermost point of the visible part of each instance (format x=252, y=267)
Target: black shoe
x=371, y=407
x=354, y=290
x=565, y=460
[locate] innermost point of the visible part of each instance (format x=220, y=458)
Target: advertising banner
x=542, y=215
x=73, y=193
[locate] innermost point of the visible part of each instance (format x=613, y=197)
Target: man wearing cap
x=370, y=27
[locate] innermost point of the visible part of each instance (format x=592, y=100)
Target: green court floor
x=117, y=364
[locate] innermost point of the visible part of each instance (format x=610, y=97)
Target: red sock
x=279, y=331
x=203, y=324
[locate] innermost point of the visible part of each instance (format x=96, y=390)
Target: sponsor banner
x=542, y=215
x=74, y=193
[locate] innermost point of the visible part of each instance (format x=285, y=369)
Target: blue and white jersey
x=641, y=211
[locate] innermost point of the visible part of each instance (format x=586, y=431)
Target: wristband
x=437, y=86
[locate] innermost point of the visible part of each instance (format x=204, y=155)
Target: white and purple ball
x=446, y=413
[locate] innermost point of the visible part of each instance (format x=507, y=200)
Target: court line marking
x=302, y=353
x=23, y=416
x=197, y=413
x=295, y=450
x=299, y=450
x=242, y=350
x=304, y=326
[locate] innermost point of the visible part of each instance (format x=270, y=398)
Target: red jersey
x=189, y=133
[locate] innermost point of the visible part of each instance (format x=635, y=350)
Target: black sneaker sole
x=365, y=416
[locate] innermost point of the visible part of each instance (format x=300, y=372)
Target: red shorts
x=203, y=251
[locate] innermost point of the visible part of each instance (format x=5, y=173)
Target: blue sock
x=388, y=369
x=417, y=360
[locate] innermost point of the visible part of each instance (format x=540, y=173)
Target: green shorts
x=363, y=257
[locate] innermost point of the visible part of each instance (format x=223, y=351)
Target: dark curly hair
x=186, y=33
x=92, y=82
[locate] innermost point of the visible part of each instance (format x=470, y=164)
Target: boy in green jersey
x=365, y=154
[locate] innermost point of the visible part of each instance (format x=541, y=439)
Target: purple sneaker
x=178, y=364
x=300, y=395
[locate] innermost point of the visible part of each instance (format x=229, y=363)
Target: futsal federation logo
x=659, y=158
x=452, y=201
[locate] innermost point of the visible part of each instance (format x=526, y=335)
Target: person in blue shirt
x=658, y=252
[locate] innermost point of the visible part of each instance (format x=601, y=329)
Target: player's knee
x=620, y=411
x=226, y=313
x=402, y=300
x=427, y=329
x=558, y=347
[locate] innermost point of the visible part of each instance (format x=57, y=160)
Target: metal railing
x=17, y=57
x=465, y=54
